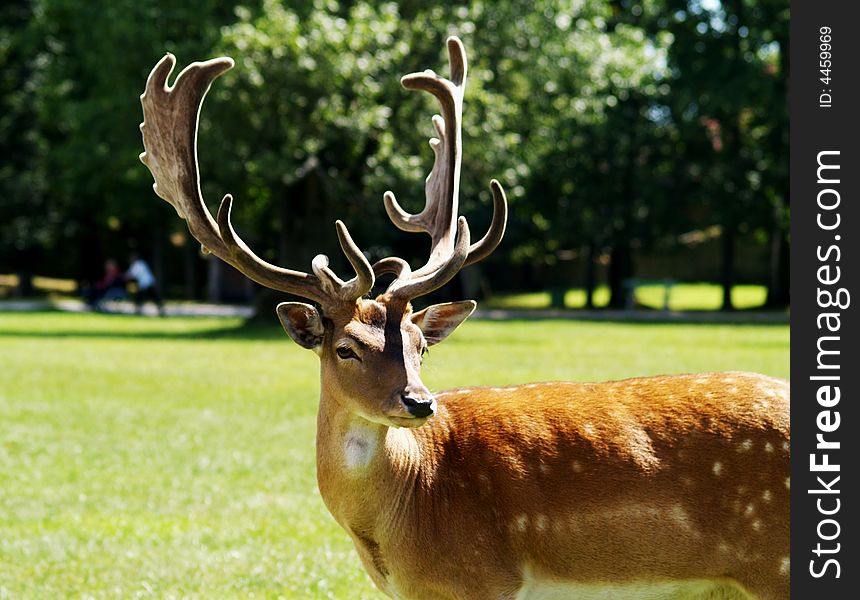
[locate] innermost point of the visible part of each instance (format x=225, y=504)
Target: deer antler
x=450, y=248
x=171, y=115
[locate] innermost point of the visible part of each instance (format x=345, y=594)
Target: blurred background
x=643, y=143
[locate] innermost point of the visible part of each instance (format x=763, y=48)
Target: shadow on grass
x=259, y=330
x=246, y=331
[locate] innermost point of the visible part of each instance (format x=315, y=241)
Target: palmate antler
x=171, y=115
x=170, y=119
x=439, y=217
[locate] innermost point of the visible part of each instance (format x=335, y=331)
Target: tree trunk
x=189, y=264
x=620, y=269
x=25, y=283
x=158, y=256
x=590, y=275
x=778, y=295
x=727, y=279
x=215, y=268
x=285, y=218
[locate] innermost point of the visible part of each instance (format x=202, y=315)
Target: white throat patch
x=360, y=445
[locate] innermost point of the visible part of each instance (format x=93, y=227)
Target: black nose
x=418, y=407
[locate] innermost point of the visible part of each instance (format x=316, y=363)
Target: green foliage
x=174, y=457
x=615, y=125
x=682, y=297
x=23, y=223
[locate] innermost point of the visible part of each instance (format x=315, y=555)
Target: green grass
x=174, y=457
x=683, y=296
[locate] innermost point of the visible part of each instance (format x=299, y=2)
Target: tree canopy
x=618, y=127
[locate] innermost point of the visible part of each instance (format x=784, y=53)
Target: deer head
x=370, y=349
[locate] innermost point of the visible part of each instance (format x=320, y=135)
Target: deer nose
x=419, y=407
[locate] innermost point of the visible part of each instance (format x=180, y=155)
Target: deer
x=671, y=486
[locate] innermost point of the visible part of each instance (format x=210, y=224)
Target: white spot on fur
x=639, y=445
x=541, y=522
x=756, y=525
x=768, y=447
x=522, y=522
x=577, y=466
x=785, y=565
x=767, y=496
x=515, y=462
x=544, y=468
x=588, y=428
x=359, y=446
x=717, y=468
x=788, y=483
x=750, y=509
x=785, y=446
x=745, y=445
x=680, y=516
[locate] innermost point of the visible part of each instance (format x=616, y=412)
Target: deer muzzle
x=419, y=407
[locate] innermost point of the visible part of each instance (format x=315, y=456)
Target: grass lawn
x=174, y=457
x=683, y=296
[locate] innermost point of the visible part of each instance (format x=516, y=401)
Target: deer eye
x=346, y=353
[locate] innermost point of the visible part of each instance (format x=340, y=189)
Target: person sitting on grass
x=140, y=272
x=110, y=287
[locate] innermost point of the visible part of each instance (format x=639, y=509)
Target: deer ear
x=439, y=320
x=303, y=323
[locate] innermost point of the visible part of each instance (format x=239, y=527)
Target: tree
x=614, y=126
x=26, y=226
x=85, y=84
x=729, y=100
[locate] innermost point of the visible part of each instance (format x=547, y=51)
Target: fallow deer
x=658, y=487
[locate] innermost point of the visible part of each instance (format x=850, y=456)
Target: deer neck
x=363, y=468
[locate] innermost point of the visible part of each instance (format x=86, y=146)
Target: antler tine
x=485, y=246
x=322, y=288
x=171, y=117
x=364, y=277
x=245, y=260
